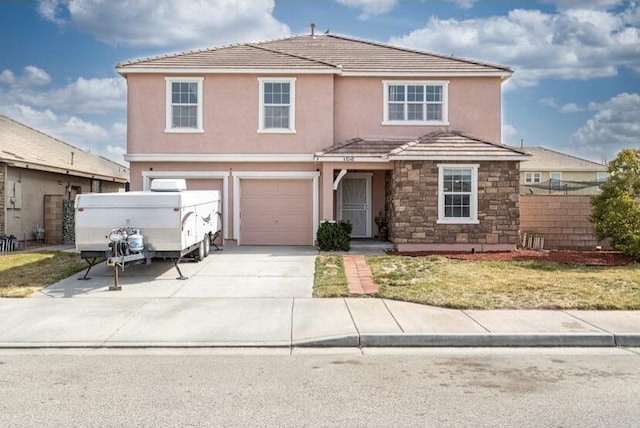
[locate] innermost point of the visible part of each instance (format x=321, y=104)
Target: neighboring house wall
x=28, y=214
x=572, y=182
x=3, y=171
x=473, y=107
x=414, y=214
x=562, y=219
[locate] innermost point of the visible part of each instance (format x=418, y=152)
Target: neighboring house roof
x=316, y=53
x=543, y=159
x=437, y=145
x=25, y=147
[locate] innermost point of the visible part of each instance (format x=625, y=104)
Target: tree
x=615, y=211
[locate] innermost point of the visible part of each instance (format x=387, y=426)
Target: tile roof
x=543, y=159
x=437, y=145
x=22, y=145
x=327, y=52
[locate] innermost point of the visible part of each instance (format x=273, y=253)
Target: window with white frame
x=416, y=103
x=532, y=177
x=602, y=176
x=458, y=193
x=184, y=104
x=277, y=105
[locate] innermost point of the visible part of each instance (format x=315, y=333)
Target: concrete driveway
x=269, y=271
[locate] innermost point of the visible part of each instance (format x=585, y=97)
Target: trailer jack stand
x=116, y=286
x=91, y=264
x=175, y=264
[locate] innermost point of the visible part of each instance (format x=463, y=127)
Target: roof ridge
x=337, y=146
x=253, y=45
x=418, y=51
x=404, y=147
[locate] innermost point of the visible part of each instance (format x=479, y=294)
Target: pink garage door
x=276, y=212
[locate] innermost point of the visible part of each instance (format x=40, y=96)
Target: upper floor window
x=277, y=105
x=532, y=177
x=602, y=176
x=184, y=104
x=458, y=193
x=416, y=103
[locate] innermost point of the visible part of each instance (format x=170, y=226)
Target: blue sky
x=576, y=86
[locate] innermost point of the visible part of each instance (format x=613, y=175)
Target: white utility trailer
x=167, y=222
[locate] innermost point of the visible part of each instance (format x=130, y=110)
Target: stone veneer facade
x=413, y=212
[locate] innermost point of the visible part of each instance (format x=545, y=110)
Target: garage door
x=276, y=212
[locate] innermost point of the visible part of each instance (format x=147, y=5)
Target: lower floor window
x=457, y=193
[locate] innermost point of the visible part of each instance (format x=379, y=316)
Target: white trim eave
x=230, y=157
x=373, y=73
x=460, y=158
x=348, y=158
x=206, y=70
x=441, y=74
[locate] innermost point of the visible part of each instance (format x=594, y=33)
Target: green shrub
x=615, y=211
x=334, y=236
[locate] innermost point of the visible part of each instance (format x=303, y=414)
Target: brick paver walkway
x=359, y=278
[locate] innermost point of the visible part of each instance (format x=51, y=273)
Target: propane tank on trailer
x=136, y=242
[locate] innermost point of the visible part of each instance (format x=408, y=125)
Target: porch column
x=327, y=192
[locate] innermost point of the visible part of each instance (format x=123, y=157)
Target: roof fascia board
x=206, y=70
x=231, y=157
x=502, y=74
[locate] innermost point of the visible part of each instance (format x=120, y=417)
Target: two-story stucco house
x=309, y=128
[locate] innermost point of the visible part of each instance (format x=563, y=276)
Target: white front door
x=354, y=203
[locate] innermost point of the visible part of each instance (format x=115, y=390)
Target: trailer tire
x=207, y=244
x=200, y=252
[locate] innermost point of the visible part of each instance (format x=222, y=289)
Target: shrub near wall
x=562, y=219
x=334, y=236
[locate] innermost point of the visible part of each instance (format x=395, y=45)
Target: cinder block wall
x=562, y=219
x=53, y=219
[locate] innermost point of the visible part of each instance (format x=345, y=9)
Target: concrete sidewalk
x=261, y=297
x=291, y=322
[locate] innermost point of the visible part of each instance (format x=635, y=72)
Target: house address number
x=348, y=159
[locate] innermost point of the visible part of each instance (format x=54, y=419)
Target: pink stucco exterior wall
x=474, y=108
x=230, y=117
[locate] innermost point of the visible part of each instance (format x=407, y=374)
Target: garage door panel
x=276, y=212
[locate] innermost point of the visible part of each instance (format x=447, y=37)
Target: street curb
x=489, y=340
x=630, y=340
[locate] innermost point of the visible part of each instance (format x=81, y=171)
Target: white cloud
x=32, y=76
x=508, y=134
x=95, y=96
x=7, y=77
x=167, y=23
x=574, y=43
x=570, y=108
x=35, y=76
x=548, y=102
x=370, y=7
x=615, y=126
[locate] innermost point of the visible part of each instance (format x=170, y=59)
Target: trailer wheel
x=207, y=244
x=200, y=252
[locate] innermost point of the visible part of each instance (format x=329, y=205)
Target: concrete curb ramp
x=131, y=322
